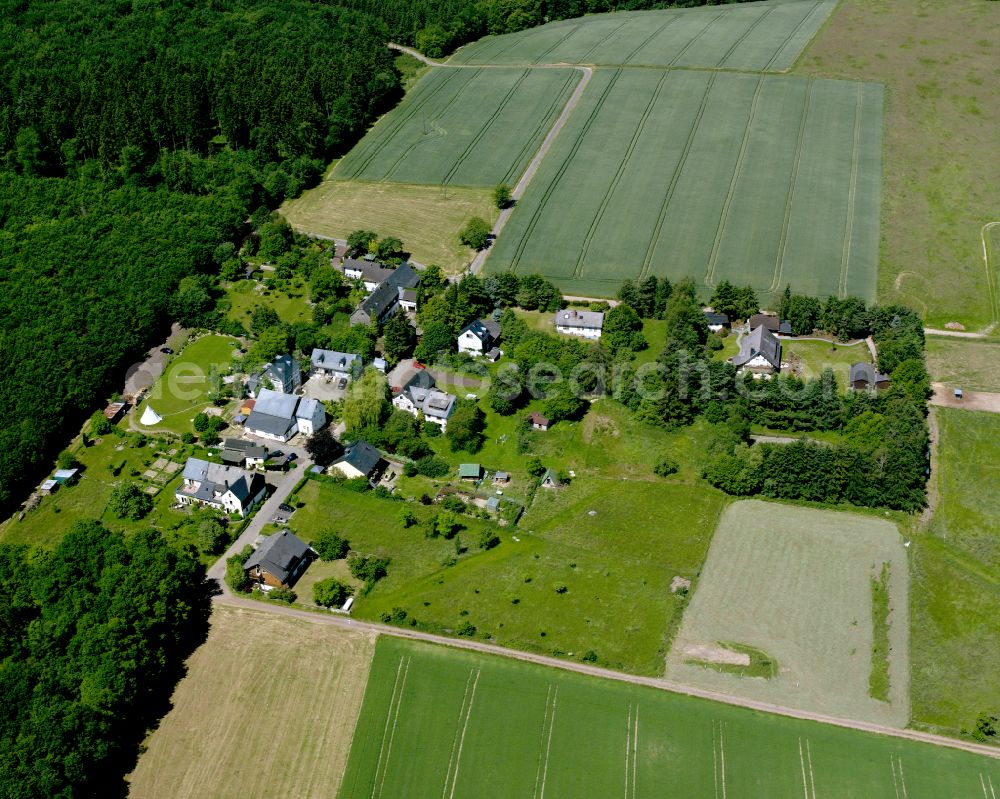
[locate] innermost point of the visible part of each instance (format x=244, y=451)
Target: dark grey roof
x=759, y=341
x=274, y=403
x=371, y=271
x=361, y=455
x=593, y=320
x=404, y=276
x=716, y=318
x=379, y=301
x=279, y=554
x=249, y=448
x=272, y=425
x=285, y=370
x=483, y=329
x=764, y=320
x=866, y=372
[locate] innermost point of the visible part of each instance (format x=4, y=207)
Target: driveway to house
x=141, y=376
x=972, y=401
x=264, y=513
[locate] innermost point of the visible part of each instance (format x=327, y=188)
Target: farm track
x=225, y=597
x=851, y=195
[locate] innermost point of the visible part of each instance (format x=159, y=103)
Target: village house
x=587, y=324
x=282, y=374
x=369, y=272
x=716, y=321
x=278, y=417
x=225, y=488
x=780, y=327
x=397, y=290
x=278, y=561
x=237, y=452
x=336, y=365
x=864, y=377
x=538, y=422
x=420, y=396
x=360, y=459
x=479, y=337
x=760, y=353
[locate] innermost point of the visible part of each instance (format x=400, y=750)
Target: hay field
x=267, y=709
x=427, y=219
x=972, y=364
x=769, y=180
x=462, y=127
x=796, y=583
x=439, y=722
x=753, y=36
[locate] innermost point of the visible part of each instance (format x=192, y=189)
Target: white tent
x=150, y=417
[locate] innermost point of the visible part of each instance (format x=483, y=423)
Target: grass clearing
x=764, y=179
x=756, y=36
x=815, y=356
x=462, y=127
x=268, y=708
x=794, y=582
x=878, y=681
x=938, y=61
x=183, y=389
x=245, y=296
x=956, y=578
x=972, y=364
x=427, y=219
x=440, y=722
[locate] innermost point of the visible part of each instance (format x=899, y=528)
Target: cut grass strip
x=878, y=682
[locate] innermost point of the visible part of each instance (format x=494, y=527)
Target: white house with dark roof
x=760, y=352
x=336, y=365
x=419, y=395
x=282, y=374
x=237, y=452
x=479, y=337
x=360, y=459
x=226, y=488
x=586, y=324
x=397, y=289
x=278, y=417
x=369, y=272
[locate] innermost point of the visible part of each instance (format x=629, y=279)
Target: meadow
x=972, y=364
x=440, y=722
x=462, y=127
x=754, y=36
x=956, y=578
x=795, y=583
x=763, y=179
x=291, y=305
x=267, y=701
x=938, y=62
x=427, y=219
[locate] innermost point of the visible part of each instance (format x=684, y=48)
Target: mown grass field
x=938, y=61
x=439, y=722
x=268, y=708
x=956, y=578
x=763, y=179
x=427, y=219
x=462, y=127
x=815, y=356
x=796, y=583
x=755, y=36
x=964, y=363
x=183, y=389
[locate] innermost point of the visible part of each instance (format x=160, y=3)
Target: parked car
x=166, y=350
x=285, y=508
x=276, y=454
x=342, y=383
x=292, y=455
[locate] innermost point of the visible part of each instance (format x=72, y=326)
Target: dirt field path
x=582, y=668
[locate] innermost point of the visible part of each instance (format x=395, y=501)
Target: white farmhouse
x=587, y=324
x=225, y=488
x=420, y=396
x=334, y=364
x=479, y=337
x=278, y=417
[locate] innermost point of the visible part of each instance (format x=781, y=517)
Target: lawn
x=267, y=701
x=956, y=578
x=440, y=722
x=795, y=583
x=964, y=363
x=427, y=219
x=757, y=36
x=765, y=179
x=183, y=389
x=938, y=61
x=462, y=127
x=812, y=357
x=245, y=296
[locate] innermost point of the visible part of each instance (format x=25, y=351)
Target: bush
x=407, y=518
x=466, y=628
x=432, y=466
x=476, y=233
x=128, y=501
x=396, y=616
x=590, y=656
x=188, y=438
x=535, y=467
x=286, y=595
x=212, y=536
x=236, y=577
x=331, y=545
x=454, y=504
x=66, y=460
x=561, y=588
x=99, y=424
x=488, y=539
x=665, y=466
x=330, y=592
x=368, y=568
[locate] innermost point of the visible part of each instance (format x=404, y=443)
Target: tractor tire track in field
x=484, y=128
x=538, y=59
x=545, y=744
x=661, y=217
x=737, y=172
x=783, y=240
x=781, y=48
x=694, y=38
x=385, y=748
x=845, y=256
x=582, y=59
x=750, y=29
x=670, y=21
x=599, y=216
x=553, y=184
x=432, y=121
x=224, y=596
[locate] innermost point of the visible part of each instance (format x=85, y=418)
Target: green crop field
x=769, y=180
x=462, y=127
x=438, y=722
x=755, y=36
x=796, y=583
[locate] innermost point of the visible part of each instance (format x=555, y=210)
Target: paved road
x=264, y=514
x=584, y=668
x=972, y=401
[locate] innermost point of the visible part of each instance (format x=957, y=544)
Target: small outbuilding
x=538, y=422
x=470, y=471
x=550, y=479
x=114, y=412
x=65, y=476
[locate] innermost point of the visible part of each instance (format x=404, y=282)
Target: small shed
x=501, y=478
x=381, y=365
x=49, y=486
x=538, y=422
x=550, y=479
x=493, y=504
x=115, y=411
x=64, y=476
x=470, y=471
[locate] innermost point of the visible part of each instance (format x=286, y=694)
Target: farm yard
x=770, y=180
x=462, y=127
x=795, y=583
x=441, y=722
x=757, y=36
x=266, y=701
